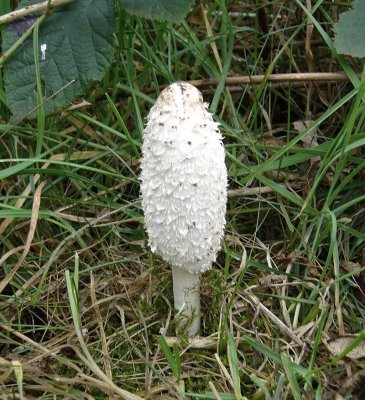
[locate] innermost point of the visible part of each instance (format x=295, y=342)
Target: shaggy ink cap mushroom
x=183, y=184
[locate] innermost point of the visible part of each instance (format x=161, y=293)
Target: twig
x=260, y=307
x=224, y=370
x=236, y=14
x=274, y=85
x=214, y=391
x=276, y=79
x=257, y=79
x=83, y=103
x=23, y=12
x=260, y=190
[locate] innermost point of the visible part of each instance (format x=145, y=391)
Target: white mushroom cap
x=183, y=179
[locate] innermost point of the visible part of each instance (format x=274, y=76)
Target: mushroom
x=184, y=192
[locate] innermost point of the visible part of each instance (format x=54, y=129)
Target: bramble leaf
x=350, y=31
x=171, y=10
x=76, y=43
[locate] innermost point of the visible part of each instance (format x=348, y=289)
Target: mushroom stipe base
x=186, y=288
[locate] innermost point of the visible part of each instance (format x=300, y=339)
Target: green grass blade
x=123, y=126
x=288, y=366
x=174, y=362
x=234, y=366
x=18, y=371
x=40, y=109
x=259, y=383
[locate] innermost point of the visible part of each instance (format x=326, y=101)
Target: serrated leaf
x=350, y=31
x=79, y=46
x=171, y=10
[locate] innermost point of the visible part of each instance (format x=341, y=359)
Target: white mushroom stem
x=184, y=192
x=186, y=288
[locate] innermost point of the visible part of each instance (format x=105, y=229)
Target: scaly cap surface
x=183, y=179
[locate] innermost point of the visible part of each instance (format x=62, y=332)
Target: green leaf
x=18, y=371
x=80, y=46
x=15, y=169
x=266, y=351
x=260, y=383
x=234, y=366
x=4, y=7
x=350, y=31
x=171, y=10
x=288, y=366
x=172, y=358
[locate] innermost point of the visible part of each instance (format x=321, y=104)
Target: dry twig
x=290, y=77
x=29, y=10
x=260, y=307
x=260, y=190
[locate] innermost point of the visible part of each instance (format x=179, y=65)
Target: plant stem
x=27, y=34
x=34, y=8
x=186, y=288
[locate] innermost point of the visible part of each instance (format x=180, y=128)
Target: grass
x=85, y=308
